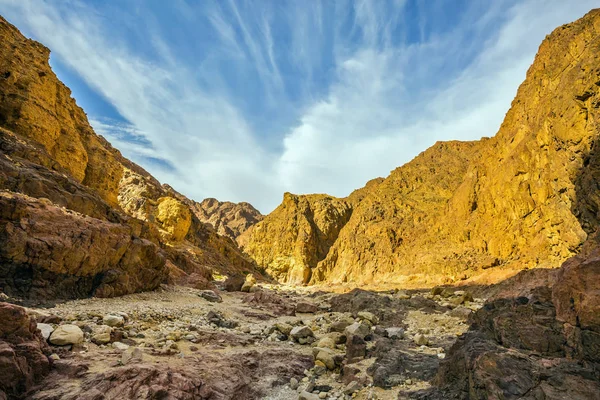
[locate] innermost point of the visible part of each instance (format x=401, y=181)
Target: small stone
x=210, y=295
x=304, y=395
x=323, y=395
x=441, y=356
x=326, y=342
x=357, y=329
x=408, y=382
x=66, y=334
x=294, y=383
x=306, y=308
x=395, y=333
x=120, y=346
x=326, y=357
x=131, y=355
x=101, y=334
x=368, y=316
x=421, y=340
x=113, y=320
x=403, y=295
x=284, y=328
x=46, y=330
x=301, y=332
x=55, y=356
x=249, y=283
x=352, y=387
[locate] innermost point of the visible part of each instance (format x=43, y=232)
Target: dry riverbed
x=272, y=343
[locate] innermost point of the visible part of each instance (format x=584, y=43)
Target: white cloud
x=388, y=99
x=369, y=123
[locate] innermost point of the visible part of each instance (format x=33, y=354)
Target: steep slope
x=298, y=235
x=229, y=219
x=117, y=229
x=524, y=198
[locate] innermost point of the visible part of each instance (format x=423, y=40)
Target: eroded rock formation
x=78, y=219
x=23, y=360
x=229, y=219
x=524, y=198
x=292, y=240
x=543, y=344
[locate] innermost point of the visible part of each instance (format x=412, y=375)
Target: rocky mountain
x=229, y=219
x=76, y=217
x=528, y=197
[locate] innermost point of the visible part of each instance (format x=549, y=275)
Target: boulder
x=66, y=334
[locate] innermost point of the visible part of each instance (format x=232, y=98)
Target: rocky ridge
x=131, y=233
x=522, y=199
x=229, y=219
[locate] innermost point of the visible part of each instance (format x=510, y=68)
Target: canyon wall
x=526, y=198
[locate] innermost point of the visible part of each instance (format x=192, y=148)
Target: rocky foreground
x=538, y=337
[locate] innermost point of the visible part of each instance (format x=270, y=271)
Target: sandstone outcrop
x=524, y=198
x=291, y=241
x=78, y=219
x=50, y=252
x=229, y=219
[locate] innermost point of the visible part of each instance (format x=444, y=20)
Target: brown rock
x=306, y=308
x=228, y=219
x=96, y=257
x=23, y=362
x=48, y=151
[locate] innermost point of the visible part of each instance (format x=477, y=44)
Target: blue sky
x=243, y=100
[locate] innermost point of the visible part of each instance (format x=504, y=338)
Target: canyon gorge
x=470, y=272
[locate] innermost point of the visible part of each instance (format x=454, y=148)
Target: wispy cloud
x=242, y=101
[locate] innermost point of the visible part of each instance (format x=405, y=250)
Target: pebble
x=113, y=320
x=294, y=383
x=120, y=346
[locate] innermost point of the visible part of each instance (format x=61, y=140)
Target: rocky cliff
x=229, y=219
x=525, y=198
x=77, y=218
x=292, y=240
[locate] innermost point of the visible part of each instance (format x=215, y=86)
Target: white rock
x=46, y=329
x=120, y=346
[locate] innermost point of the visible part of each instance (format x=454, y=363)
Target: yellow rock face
x=296, y=236
x=36, y=105
x=174, y=217
x=526, y=198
